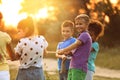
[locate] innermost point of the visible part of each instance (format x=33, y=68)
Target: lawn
x=107, y=58
x=55, y=76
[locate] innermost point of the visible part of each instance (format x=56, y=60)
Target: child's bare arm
x=71, y=47
x=45, y=53
x=60, y=56
x=11, y=52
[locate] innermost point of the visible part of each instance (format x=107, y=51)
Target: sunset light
x=12, y=12
x=114, y=1
x=44, y=12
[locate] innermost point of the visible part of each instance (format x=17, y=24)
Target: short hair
x=68, y=23
x=83, y=16
x=27, y=26
x=96, y=27
x=1, y=16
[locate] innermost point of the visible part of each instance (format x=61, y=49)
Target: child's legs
x=89, y=75
x=76, y=74
x=4, y=75
x=60, y=76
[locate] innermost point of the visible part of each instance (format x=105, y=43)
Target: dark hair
x=27, y=26
x=68, y=23
x=1, y=16
x=96, y=27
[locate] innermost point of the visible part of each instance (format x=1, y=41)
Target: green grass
x=13, y=73
x=109, y=58
x=106, y=58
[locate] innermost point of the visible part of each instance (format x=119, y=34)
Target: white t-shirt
x=31, y=50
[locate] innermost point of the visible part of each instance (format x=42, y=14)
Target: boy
x=96, y=30
x=67, y=30
x=78, y=63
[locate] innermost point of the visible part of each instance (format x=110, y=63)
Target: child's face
x=80, y=25
x=20, y=33
x=67, y=32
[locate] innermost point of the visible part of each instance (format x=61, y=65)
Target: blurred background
x=48, y=16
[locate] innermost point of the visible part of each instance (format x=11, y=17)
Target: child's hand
x=67, y=52
x=63, y=57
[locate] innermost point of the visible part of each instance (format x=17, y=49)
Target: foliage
x=69, y=9
x=105, y=8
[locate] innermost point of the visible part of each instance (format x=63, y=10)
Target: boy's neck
x=67, y=38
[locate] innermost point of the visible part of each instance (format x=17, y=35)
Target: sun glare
x=114, y=1
x=42, y=13
x=45, y=12
x=10, y=11
x=12, y=15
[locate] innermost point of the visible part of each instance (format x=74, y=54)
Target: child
x=78, y=63
x=5, y=51
x=96, y=30
x=67, y=30
x=30, y=51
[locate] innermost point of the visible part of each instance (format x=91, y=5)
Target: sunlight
x=42, y=13
x=107, y=19
x=114, y=1
x=12, y=15
x=10, y=12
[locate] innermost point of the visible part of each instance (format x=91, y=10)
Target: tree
x=100, y=10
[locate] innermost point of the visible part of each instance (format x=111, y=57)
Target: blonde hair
x=68, y=23
x=85, y=17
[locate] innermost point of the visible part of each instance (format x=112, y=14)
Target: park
x=48, y=15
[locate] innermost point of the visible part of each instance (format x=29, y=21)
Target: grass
x=13, y=73
x=109, y=58
x=104, y=78
x=106, y=58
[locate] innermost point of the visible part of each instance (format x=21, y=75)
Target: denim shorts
x=31, y=73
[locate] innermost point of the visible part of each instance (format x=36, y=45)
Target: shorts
x=4, y=75
x=32, y=73
x=89, y=75
x=76, y=74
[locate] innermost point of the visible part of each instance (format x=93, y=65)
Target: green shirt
x=4, y=40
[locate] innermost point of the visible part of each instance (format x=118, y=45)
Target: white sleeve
x=45, y=42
